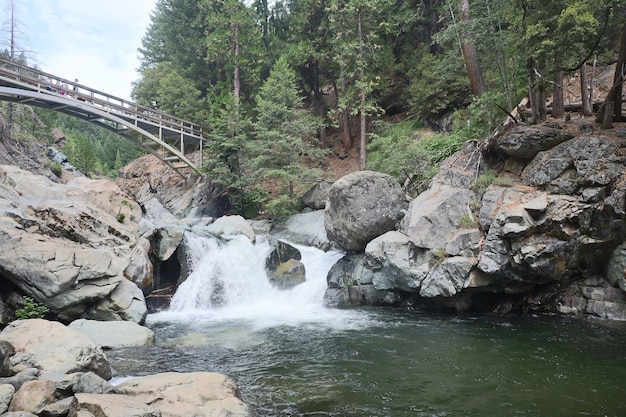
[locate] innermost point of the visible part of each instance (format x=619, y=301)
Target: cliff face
x=530, y=220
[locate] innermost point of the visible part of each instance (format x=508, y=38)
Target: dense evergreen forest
x=281, y=84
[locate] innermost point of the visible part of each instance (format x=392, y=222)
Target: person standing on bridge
x=63, y=89
x=75, y=88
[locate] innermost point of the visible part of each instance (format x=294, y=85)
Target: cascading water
x=292, y=357
x=228, y=282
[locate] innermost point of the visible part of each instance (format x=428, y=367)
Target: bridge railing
x=51, y=84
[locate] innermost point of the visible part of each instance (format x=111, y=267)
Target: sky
x=94, y=41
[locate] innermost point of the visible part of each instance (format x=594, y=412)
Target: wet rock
x=283, y=265
x=303, y=229
x=114, y=334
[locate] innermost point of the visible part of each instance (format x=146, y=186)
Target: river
x=292, y=357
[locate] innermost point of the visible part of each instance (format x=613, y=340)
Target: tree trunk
x=541, y=100
x=615, y=93
x=475, y=74
x=607, y=121
x=619, y=77
x=362, y=150
x=236, y=79
x=584, y=91
x=532, y=90
x=320, y=100
x=557, y=94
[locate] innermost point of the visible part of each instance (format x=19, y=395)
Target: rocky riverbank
x=52, y=370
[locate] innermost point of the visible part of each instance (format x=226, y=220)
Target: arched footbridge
x=169, y=138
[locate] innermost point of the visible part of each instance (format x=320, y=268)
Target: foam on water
x=228, y=283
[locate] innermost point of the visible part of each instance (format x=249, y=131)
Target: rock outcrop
x=538, y=239
x=68, y=245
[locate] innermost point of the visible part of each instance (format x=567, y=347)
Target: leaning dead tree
x=613, y=101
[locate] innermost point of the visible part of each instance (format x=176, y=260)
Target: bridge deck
x=166, y=136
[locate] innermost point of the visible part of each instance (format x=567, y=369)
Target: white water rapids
x=228, y=283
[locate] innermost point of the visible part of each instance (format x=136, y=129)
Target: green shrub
x=56, y=169
x=484, y=180
x=31, y=310
x=466, y=221
x=283, y=205
x=439, y=255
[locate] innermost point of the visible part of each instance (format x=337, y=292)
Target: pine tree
x=282, y=134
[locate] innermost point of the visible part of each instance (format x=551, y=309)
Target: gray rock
x=6, y=394
x=397, y=263
x=61, y=408
x=19, y=414
x=61, y=244
x=114, y=334
x=23, y=376
x=139, y=268
x=448, y=278
x=433, y=217
x=303, y=229
x=317, y=196
x=115, y=405
x=460, y=169
x=362, y=206
x=53, y=347
x=283, y=265
x=229, y=226
x=287, y=274
x=527, y=141
x=350, y=284
x=583, y=161
x=90, y=383
x=6, y=351
x=617, y=268
x=125, y=302
x=169, y=238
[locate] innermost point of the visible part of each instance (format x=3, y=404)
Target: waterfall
x=227, y=281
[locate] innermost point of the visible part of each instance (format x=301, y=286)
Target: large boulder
x=362, y=206
x=527, y=141
x=52, y=347
x=126, y=302
x=64, y=245
x=192, y=394
x=303, y=229
x=114, y=334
